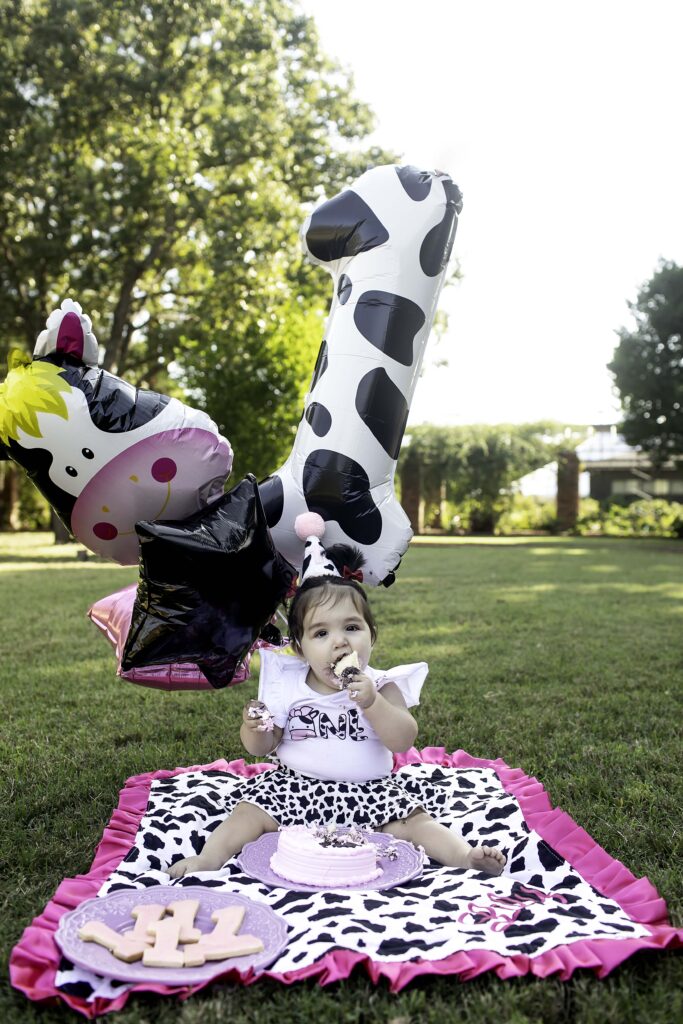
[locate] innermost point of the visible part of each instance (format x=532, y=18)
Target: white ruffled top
x=326, y=736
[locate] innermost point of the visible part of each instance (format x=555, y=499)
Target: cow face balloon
x=386, y=241
x=106, y=454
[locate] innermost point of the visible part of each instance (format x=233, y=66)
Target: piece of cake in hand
x=257, y=709
x=324, y=856
x=346, y=668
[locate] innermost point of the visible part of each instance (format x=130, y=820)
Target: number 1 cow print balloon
x=105, y=454
x=386, y=241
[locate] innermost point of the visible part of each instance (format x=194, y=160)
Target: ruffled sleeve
x=280, y=678
x=408, y=678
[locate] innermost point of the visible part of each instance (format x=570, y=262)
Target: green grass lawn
x=561, y=656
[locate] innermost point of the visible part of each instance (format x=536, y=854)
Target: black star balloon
x=208, y=585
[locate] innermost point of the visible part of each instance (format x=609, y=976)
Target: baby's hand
x=362, y=691
x=257, y=717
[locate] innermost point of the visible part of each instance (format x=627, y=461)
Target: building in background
x=542, y=483
x=616, y=470
x=610, y=469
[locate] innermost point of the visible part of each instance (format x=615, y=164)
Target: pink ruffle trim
x=35, y=959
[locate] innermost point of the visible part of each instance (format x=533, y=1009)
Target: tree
x=155, y=162
x=478, y=464
x=648, y=366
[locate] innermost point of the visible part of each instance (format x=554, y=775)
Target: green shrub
x=458, y=517
x=590, y=517
x=641, y=518
x=527, y=513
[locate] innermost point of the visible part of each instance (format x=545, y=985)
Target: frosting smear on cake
x=324, y=856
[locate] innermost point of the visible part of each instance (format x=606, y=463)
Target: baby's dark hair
x=328, y=589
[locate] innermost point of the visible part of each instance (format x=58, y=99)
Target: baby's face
x=332, y=630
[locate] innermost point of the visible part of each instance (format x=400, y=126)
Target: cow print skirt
x=291, y=798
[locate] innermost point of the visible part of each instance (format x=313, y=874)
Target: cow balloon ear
x=68, y=334
x=386, y=241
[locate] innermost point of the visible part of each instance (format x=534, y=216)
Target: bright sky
x=561, y=122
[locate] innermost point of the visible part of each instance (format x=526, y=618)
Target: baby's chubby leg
x=246, y=823
x=441, y=844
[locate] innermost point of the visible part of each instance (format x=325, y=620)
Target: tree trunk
x=432, y=506
x=119, y=339
x=567, y=490
x=483, y=520
x=9, y=497
x=410, y=493
x=117, y=343
x=62, y=535
x=443, y=503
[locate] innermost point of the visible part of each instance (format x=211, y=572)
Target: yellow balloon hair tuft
x=29, y=388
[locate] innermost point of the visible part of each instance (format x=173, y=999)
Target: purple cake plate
x=115, y=911
x=254, y=860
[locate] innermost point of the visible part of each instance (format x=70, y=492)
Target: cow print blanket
x=539, y=903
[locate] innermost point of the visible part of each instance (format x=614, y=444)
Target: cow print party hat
x=310, y=527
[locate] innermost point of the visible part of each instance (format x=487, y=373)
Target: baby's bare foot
x=487, y=859
x=191, y=864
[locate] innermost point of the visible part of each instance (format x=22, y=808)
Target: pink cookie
x=223, y=942
x=184, y=912
x=122, y=946
x=164, y=952
x=145, y=914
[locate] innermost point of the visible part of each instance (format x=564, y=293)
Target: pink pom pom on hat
x=309, y=524
x=310, y=527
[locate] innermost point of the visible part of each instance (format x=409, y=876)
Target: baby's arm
x=255, y=740
x=391, y=720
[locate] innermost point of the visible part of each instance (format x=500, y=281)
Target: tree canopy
x=478, y=464
x=648, y=366
x=155, y=163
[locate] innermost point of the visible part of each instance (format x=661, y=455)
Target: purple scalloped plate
x=115, y=911
x=255, y=861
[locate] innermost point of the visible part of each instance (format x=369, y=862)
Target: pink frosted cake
x=324, y=856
